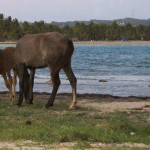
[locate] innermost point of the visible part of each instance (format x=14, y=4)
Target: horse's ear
x=21, y=35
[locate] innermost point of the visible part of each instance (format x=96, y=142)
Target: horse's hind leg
x=55, y=83
x=68, y=70
x=10, y=85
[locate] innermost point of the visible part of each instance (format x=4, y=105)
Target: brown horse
x=51, y=50
x=7, y=62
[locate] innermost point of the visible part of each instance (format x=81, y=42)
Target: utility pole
x=133, y=13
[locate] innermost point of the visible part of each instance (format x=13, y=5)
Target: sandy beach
x=94, y=43
x=112, y=43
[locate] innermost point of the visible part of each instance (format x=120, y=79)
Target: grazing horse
x=7, y=63
x=51, y=50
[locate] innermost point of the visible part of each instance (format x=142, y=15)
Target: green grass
x=61, y=125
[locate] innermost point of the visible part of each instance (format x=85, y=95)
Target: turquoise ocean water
x=125, y=67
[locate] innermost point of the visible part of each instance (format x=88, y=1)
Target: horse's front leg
x=28, y=86
x=31, y=84
x=21, y=73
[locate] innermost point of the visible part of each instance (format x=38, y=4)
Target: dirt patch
x=116, y=106
x=24, y=145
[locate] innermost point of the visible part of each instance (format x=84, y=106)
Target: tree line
x=12, y=29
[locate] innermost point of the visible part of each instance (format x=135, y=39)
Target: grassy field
x=81, y=126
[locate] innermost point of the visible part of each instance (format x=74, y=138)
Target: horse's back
x=56, y=47
x=40, y=50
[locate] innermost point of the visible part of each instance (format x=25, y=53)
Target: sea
x=126, y=68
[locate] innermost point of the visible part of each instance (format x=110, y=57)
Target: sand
x=94, y=43
x=112, y=43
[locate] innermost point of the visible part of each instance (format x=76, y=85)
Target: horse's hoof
x=70, y=108
x=18, y=104
x=48, y=105
x=29, y=102
x=73, y=108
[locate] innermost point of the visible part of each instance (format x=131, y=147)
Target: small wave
x=116, y=78
x=131, y=78
x=42, y=76
x=108, y=78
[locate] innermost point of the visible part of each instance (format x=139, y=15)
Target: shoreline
x=112, y=43
x=85, y=95
x=94, y=43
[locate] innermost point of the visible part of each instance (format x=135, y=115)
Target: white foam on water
x=109, y=78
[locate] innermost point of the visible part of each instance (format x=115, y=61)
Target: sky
x=71, y=10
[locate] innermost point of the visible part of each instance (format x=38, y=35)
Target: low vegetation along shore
x=13, y=28
x=97, y=122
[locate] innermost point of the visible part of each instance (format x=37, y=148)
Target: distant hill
x=124, y=21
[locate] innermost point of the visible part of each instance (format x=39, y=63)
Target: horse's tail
x=70, y=47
